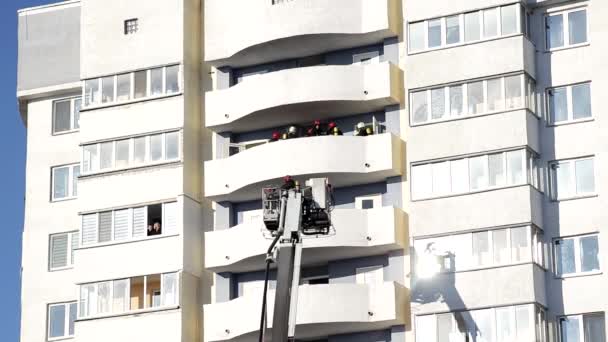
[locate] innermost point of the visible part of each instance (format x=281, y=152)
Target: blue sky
x=12, y=182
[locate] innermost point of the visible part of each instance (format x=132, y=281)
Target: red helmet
x=276, y=135
x=332, y=125
x=317, y=122
x=287, y=179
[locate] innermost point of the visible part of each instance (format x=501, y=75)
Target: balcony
x=303, y=94
x=322, y=310
x=346, y=160
x=355, y=233
x=267, y=32
x=523, y=283
x=477, y=210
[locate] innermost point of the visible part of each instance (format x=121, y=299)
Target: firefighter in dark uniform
x=275, y=136
x=363, y=131
x=332, y=129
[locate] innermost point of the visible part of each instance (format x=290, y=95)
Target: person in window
x=333, y=129
x=155, y=228
x=362, y=130
x=275, y=136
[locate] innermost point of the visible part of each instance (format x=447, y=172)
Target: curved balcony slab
x=355, y=233
x=293, y=95
x=322, y=310
x=345, y=160
x=267, y=32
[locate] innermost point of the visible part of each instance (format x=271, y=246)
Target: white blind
x=170, y=218
x=59, y=251
x=121, y=224
x=89, y=229
x=169, y=290
x=105, y=226
x=75, y=242
x=139, y=222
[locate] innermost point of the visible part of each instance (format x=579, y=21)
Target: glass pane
x=103, y=297
x=456, y=100
x=520, y=244
x=77, y=107
x=88, y=300
x=531, y=94
x=563, y=178
x=441, y=178
x=422, y=181
x=419, y=107
x=156, y=147
x=105, y=153
x=490, y=23
x=452, y=29
x=434, y=33
x=481, y=249
x=475, y=97
x=437, y=103
x=172, y=145
x=565, y=256
x=460, y=175
x=505, y=325
x=495, y=95
x=508, y=18
x=570, y=328
x=169, y=290
x=90, y=158
x=515, y=167
x=471, y=26
x=72, y=318
x=141, y=83
x=62, y=116
x=57, y=320
x=122, y=153
x=75, y=175
x=120, y=302
x=478, y=172
x=61, y=182
x=585, y=180
x=417, y=36
x=123, y=87
x=555, y=31
x=581, y=101
x=139, y=150
x=483, y=320
x=513, y=91
x=595, y=327
x=91, y=92
x=444, y=327
x=524, y=324
x=156, y=81
x=558, y=104
x=496, y=164
x=172, y=79
x=502, y=254
x=426, y=329
x=577, y=26
x=153, y=290
x=107, y=89
x=589, y=254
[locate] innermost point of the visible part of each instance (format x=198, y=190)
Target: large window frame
x=577, y=254
x=72, y=186
x=573, y=193
x=565, y=32
x=69, y=319
x=570, y=112
x=75, y=104
x=72, y=239
x=581, y=320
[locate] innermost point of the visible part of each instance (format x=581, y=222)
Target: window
x=368, y=202
x=61, y=250
x=161, y=81
x=569, y=103
x=566, y=29
x=468, y=27
x=373, y=275
x=583, y=328
x=473, y=98
x=66, y=115
x=131, y=26
x=64, y=182
x=125, y=153
x=577, y=255
x=129, y=224
x=60, y=320
x=474, y=173
x=125, y=295
x=572, y=178
x=503, y=324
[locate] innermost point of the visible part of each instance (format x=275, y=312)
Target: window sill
x=567, y=47
x=570, y=122
x=128, y=169
x=473, y=116
x=574, y=198
x=578, y=275
x=59, y=200
x=59, y=269
x=456, y=45
x=471, y=192
x=72, y=131
x=129, y=313
x=60, y=338
x=124, y=103
x=113, y=243
x=486, y=268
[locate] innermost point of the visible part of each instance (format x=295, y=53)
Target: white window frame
x=376, y=198
x=377, y=270
x=72, y=100
x=67, y=321
x=71, y=194
x=577, y=256
x=373, y=57
x=581, y=327
x=306, y=280
x=70, y=250
x=566, y=28
x=443, y=45
x=244, y=146
x=569, y=104
x=553, y=179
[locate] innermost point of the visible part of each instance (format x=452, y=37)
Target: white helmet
x=292, y=129
x=360, y=125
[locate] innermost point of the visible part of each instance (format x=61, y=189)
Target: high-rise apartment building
x=470, y=210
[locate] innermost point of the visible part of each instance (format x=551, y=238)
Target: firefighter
x=363, y=131
x=275, y=136
x=315, y=130
x=292, y=132
x=288, y=183
x=333, y=129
